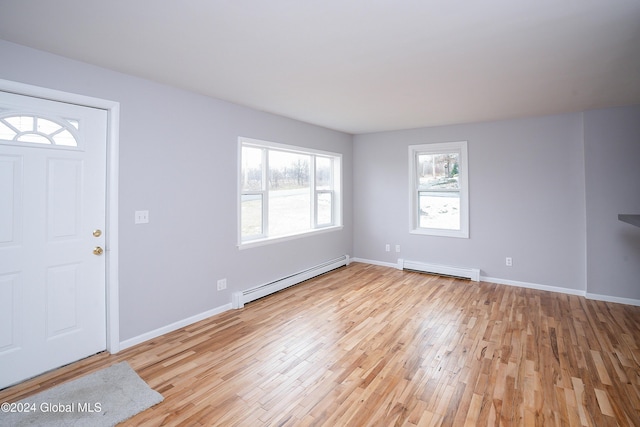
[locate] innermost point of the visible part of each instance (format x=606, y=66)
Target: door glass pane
x=36, y=130
x=65, y=138
x=440, y=209
x=6, y=132
x=33, y=137
x=289, y=193
x=47, y=126
x=22, y=123
x=251, y=215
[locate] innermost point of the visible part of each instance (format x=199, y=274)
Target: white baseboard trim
x=619, y=300
x=530, y=285
x=374, y=262
x=472, y=274
x=173, y=326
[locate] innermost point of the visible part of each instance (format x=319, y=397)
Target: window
x=286, y=191
x=439, y=189
x=29, y=129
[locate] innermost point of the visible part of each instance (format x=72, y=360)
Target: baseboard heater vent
x=445, y=270
x=239, y=299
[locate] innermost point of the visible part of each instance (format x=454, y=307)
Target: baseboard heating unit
x=239, y=299
x=446, y=270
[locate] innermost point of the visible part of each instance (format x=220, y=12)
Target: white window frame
x=463, y=180
x=314, y=228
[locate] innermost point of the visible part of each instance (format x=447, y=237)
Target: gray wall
x=612, y=154
x=178, y=160
x=530, y=197
x=527, y=200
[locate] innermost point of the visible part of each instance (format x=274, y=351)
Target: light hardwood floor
x=368, y=345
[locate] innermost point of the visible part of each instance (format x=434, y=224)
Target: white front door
x=52, y=232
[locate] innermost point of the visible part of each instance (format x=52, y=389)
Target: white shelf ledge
x=630, y=219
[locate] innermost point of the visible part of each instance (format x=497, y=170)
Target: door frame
x=111, y=215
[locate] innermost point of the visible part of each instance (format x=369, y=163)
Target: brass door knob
x=98, y=250
x=97, y=233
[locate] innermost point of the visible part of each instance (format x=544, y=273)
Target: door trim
x=111, y=250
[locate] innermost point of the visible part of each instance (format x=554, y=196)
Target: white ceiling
x=357, y=65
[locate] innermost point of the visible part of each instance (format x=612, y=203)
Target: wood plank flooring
x=373, y=346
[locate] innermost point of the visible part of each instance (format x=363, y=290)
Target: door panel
x=62, y=298
x=52, y=197
x=64, y=198
x=10, y=188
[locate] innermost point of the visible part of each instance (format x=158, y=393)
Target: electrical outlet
x=398, y=248
x=222, y=284
x=141, y=217
x=387, y=247
x=508, y=261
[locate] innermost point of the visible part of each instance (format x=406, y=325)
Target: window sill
x=270, y=240
x=461, y=234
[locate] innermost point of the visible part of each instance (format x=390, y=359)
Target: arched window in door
x=32, y=129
